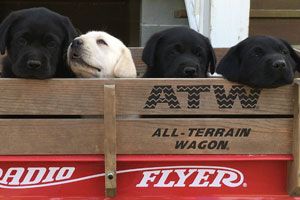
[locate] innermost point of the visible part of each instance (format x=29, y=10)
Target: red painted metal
x=146, y=177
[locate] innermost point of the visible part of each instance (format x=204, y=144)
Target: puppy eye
x=173, y=52
x=197, y=52
x=285, y=51
x=22, y=41
x=51, y=44
x=258, y=52
x=100, y=42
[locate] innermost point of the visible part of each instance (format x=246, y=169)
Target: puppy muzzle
x=279, y=65
x=77, y=43
x=190, y=71
x=76, y=48
x=34, y=64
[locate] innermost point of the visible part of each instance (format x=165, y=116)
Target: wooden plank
x=275, y=4
x=51, y=97
x=277, y=27
x=293, y=186
x=82, y=136
x=205, y=136
x=110, y=140
x=51, y=136
x=274, y=13
x=198, y=97
x=184, y=97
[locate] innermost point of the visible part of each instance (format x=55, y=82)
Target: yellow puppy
x=98, y=54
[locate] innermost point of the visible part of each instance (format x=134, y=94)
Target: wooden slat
x=134, y=97
x=294, y=166
x=267, y=136
x=51, y=97
x=110, y=140
x=51, y=136
x=82, y=136
x=275, y=13
x=275, y=4
x=85, y=97
x=277, y=27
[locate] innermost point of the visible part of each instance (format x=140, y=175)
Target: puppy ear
x=70, y=32
x=212, y=60
x=229, y=66
x=149, y=51
x=293, y=54
x=125, y=67
x=4, y=29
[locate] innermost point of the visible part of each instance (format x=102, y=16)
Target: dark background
x=121, y=18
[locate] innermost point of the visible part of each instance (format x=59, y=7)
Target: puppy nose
x=77, y=43
x=189, y=71
x=279, y=64
x=34, y=64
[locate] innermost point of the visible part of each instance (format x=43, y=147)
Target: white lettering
x=50, y=176
x=31, y=171
x=202, y=177
x=182, y=176
x=65, y=173
x=15, y=174
x=163, y=178
x=228, y=181
x=148, y=176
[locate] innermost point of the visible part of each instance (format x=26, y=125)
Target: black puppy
x=260, y=61
x=178, y=53
x=36, y=40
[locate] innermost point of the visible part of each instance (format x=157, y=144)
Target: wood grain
x=85, y=97
x=133, y=94
x=293, y=184
x=134, y=136
x=110, y=140
x=267, y=136
x=51, y=136
x=51, y=97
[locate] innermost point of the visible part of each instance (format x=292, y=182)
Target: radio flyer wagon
x=148, y=139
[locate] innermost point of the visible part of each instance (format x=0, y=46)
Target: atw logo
x=225, y=99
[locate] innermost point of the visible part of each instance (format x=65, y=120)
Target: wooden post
x=294, y=166
x=110, y=140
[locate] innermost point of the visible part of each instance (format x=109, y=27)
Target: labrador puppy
x=261, y=62
x=35, y=41
x=178, y=53
x=98, y=54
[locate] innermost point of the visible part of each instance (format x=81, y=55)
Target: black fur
x=178, y=53
x=36, y=41
x=260, y=61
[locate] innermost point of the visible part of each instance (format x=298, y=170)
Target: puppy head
x=35, y=40
x=98, y=54
x=260, y=61
x=178, y=53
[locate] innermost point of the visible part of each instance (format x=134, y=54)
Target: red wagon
x=148, y=139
